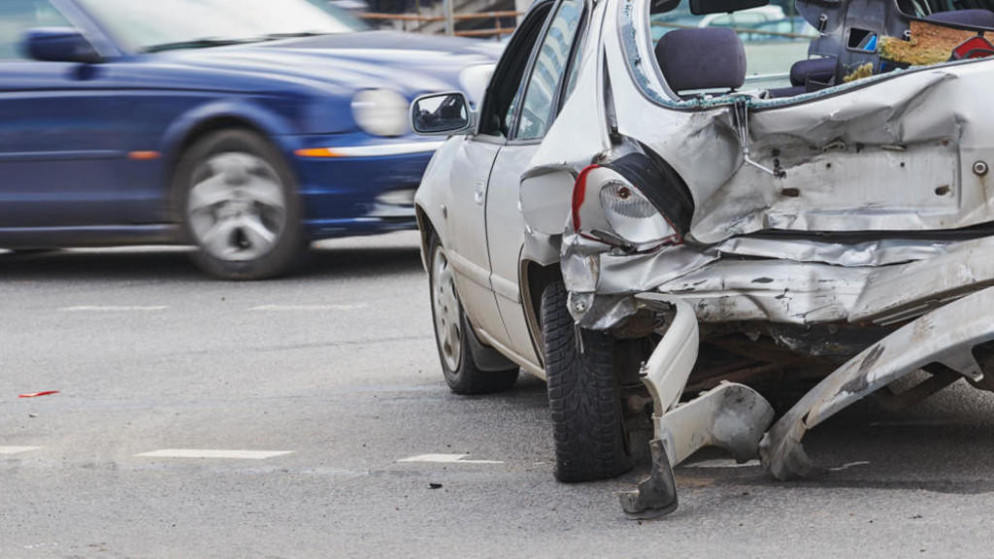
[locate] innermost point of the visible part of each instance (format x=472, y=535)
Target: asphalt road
x=204, y=419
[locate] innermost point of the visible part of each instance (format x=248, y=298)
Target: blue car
x=247, y=128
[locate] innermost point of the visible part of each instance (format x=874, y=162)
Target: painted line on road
x=447, y=459
x=722, y=463
x=111, y=308
x=9, y=450
x=310, y=307
x=211, y=453
x=848, y=465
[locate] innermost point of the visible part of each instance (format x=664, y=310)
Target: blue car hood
x=341, y=64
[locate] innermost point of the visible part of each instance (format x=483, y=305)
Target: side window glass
x=536, y=110
x=506, y=86
x=17, y=16
x=574, y=70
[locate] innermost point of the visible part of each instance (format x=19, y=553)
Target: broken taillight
x=607, y=207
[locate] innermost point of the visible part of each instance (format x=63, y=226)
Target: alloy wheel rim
x=236, y=208
x=445, y=303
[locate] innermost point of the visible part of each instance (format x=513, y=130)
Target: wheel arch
x=425, y=230
x=535, y=277
x=203, y=120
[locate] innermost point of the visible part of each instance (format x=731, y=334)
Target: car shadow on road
x=362, y=261
x=943, y=446
x=336, y=259
x=114, y=264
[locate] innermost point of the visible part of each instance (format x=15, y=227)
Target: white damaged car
x=638, y=223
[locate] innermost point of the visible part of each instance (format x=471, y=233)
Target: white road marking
x=447, y=459
x=209, y=453
x=849, y=465
x=309, y=307
x=722, y=463
x=8, y=450
x=112, y=308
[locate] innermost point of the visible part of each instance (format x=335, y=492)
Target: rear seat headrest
x=816, y=69
x=705, y=58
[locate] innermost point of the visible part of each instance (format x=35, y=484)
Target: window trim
x=557, y=95
x=502, y=70
x=91, y=29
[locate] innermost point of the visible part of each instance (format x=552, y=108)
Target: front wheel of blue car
x=240, y=207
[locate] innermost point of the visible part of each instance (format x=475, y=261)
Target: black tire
x=587, y=415
x=264, y=259
x=458, y=366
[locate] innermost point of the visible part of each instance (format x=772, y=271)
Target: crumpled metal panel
x=944, y=336
x=891, y=153
x=891, y=294
x=780, y=291
x=869, y=253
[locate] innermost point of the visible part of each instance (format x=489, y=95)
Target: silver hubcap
x=236, y=207
x=445, y=303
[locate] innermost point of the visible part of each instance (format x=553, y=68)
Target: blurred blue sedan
x=245, y=127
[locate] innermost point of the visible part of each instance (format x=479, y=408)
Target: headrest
x=817, y=69
x=705, y=58
x=974, y=18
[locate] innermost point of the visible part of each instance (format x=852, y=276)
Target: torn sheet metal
x=731, y=416
x=892, y=153
x=946, y=335
x=808, y=284
x=899, y=153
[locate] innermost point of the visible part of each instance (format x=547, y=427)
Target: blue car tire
x=239, y=205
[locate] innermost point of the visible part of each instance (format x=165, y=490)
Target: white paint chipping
x=112, y=308
x=211, y=453
x=310, y=307
x=447, y=459
x=9, y=450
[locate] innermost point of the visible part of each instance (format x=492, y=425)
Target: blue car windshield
x=170, y=24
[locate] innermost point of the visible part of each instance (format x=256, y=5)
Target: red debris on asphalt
x=36, y=394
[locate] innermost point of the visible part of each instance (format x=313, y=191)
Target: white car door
x=466, y=198
x=547, y=85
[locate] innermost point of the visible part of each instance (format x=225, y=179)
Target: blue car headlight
x=381, y=112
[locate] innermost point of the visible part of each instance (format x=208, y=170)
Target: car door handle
x=478, y=194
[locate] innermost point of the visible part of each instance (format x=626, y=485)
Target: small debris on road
x=434, y=486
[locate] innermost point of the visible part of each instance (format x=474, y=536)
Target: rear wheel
x=240, y=207
x=587, y=413
x=452, y=333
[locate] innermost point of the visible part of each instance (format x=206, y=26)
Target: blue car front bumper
x=352, y=185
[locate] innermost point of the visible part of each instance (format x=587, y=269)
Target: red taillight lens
x=580, y=194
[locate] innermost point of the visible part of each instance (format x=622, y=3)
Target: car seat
x=704, y=58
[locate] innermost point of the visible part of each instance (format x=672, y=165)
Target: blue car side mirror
x=59, y=44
